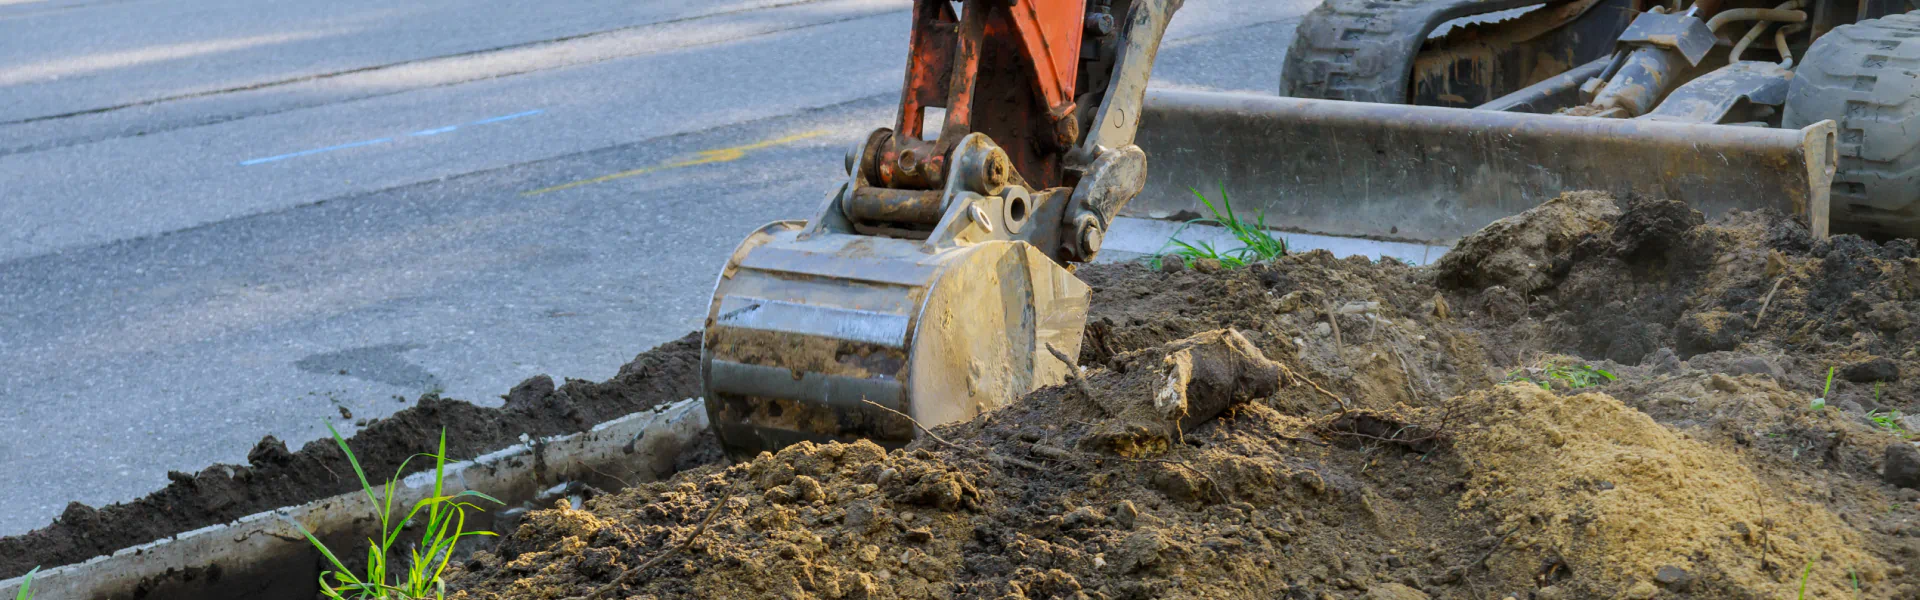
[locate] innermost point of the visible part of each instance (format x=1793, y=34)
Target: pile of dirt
x=276, y=477
x=1314, y=427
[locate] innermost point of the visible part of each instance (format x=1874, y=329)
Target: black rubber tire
x=1363, y=50
x=1866, y=77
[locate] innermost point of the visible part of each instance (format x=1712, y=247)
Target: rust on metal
x=1433, y=174
x=1477, y=63
x=887, y=205
x=936, y=277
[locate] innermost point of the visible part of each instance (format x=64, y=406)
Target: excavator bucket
x=823, y=335
x=935, y=284
x=1434, y=174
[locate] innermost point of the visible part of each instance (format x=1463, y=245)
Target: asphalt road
x=228, y=219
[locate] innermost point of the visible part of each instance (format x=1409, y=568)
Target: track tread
x=1363, y=50
x=1866, y=77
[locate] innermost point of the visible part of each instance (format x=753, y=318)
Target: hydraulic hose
x=1780, y=43
x=1783, y=14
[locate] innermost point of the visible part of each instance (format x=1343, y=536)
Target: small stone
x=919, y=535
x=1292, y=301
x=1880, y=368
x=1755, y=365
x=1207, y=265
x=1172, y=264
x=1902, y=467
x=1322, y=329
x=1552, y=592
x=1124, y=514
x=1673, y=578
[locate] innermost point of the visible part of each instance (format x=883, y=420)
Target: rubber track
x=1363, y=50
x=1863, y=76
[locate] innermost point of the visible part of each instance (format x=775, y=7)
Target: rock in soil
x=1879, y=368
x=1387, y=460
x=1902, y=465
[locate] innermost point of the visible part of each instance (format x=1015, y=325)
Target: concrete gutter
x=263, y=556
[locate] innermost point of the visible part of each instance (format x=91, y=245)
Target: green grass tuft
x=1257, y=242
x=1563, y=377
x=444, y=527
x=1889, y=420
x=26, y=586
x=1821, y=402
x=1803, y=578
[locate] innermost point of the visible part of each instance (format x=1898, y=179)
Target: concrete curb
x=264, y=555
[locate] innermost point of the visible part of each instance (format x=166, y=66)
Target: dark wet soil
x=276, y=476
x=1410, y=450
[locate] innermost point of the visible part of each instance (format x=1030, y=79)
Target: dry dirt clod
x=1197, y=379
x=1517, y=251
x=1879, y=368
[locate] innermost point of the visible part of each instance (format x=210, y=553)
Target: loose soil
x=276, y=477
x=1317, y=427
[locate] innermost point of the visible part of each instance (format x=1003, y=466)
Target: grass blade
x=26, y=585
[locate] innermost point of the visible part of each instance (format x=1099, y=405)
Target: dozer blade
x=806, y=329
x=1435, y=174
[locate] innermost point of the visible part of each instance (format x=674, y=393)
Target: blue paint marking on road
x=269, y=159
x=508, y=117
x=421, y=133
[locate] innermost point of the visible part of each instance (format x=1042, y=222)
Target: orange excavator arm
x=936, y=281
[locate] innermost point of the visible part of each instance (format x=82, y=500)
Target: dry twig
x=1768, y=301
x=1296, y=378
x=1073, y=375
x=1333, y=319
x=993, y=456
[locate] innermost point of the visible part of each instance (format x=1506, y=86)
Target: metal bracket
x=1681, y=32
x=1710, y=98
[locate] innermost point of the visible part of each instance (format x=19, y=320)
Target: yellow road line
x=704, y=157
